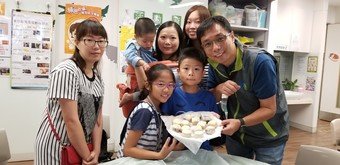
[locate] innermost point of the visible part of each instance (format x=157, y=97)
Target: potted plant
x=289, y=85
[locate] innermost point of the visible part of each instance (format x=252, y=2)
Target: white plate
x=193, y=144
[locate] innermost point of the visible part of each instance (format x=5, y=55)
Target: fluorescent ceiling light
x=186, y=4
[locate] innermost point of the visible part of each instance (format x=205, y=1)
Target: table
x=203, y=157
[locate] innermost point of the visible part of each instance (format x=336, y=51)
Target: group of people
x=188, y=70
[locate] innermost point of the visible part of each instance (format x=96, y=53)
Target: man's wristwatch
x=242, y=122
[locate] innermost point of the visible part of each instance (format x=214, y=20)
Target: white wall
x=21, y=110
x=333, y=14
x=305, y=116
x=150, y=7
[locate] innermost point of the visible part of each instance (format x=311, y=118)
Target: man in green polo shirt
x=257, y=122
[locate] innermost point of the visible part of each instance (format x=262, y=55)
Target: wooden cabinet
x=294, y=25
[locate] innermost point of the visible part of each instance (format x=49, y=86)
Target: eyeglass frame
x=225, y=36
x=94, y=42
x=162, y=85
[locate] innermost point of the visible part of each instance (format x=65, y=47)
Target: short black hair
x=193, y=53
x=144, y=25
x=208, y=23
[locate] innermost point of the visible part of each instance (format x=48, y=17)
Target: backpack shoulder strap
x=122, y=133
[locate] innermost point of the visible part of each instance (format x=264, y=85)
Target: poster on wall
x=31, y=49
x=138, y=14
x=312, y=64
x=157, y=18
x=74, y=14
x=310, y=83
x=2, y=8
x=5, y=69
x=126, y=34
x=177, y=19
x=5, y=44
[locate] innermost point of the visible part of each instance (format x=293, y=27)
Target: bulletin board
x=31, y=49
x=5, y=44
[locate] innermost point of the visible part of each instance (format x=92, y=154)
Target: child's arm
x=179, y=146
x=131, y=150
x=141, y=77
x=131, y=55
x=141, y=63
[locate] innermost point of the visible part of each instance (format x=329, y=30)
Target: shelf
x=300, y=101
x=282, y=49
x=240, y=28
x=242, y=3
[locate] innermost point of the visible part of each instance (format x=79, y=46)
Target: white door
x=330, y=93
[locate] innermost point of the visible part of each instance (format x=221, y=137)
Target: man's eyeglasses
x=91, y=42
x=162, y=85
x=218, y=41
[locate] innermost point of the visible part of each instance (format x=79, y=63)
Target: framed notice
x=312, y=64
x=310, y=83
x=5, y=44
x=157, y=18
x=31, y=49
x=138, y=14
x=177, y=19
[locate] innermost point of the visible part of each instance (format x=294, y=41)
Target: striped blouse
x=67, y=81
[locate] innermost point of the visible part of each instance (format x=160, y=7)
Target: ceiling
x=334, y=2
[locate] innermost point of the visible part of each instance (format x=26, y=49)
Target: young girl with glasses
x=145, y=129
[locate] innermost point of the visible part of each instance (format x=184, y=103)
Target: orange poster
x=2, y=8
x=74, y=14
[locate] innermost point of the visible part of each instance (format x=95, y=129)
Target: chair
x=314, y=155
x=335, y=130
x=5, y=154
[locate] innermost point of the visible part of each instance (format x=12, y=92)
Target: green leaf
x=62, y=12
x=289, y=85
x=105, y=10
x=61, y=6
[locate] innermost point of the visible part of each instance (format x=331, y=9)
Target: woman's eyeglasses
x=91, y=42
x=162, y=85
